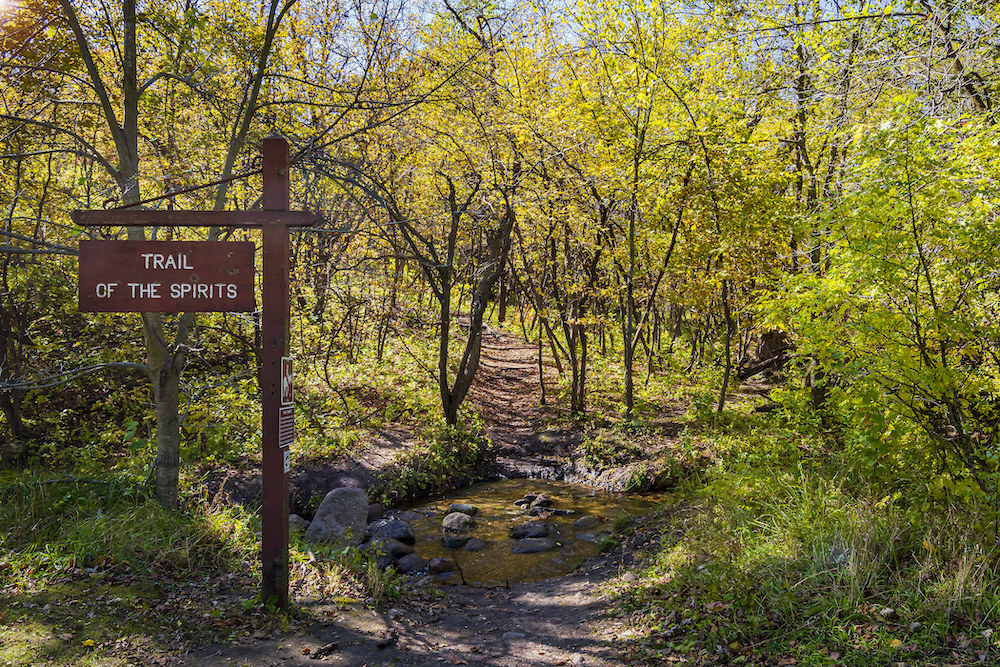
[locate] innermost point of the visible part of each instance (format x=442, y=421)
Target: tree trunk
x=11, y=398
x=581, y=404
x=444, y=385
x=729, y=346
x=164, y=367
x=816, y=381
x=166, y=394
x=502, y=298
x=629, y=339
x=541, y=365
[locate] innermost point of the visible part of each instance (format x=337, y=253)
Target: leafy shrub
x=441, y=459
x=903, y=322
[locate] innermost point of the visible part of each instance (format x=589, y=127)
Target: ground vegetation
x=743, y=251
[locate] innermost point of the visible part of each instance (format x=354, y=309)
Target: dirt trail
x=507, y=394
x=553, y=622
x=506, y=391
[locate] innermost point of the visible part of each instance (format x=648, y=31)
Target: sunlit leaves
x=908, y=304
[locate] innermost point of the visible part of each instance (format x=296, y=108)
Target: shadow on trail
x=551, y=622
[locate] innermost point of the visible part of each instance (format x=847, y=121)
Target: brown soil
x=557, y=621
x=507, y=394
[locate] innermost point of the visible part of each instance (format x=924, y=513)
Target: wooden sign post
x=274, y=341
x=168, y=276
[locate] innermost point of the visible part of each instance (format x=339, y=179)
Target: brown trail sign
x=168, y=276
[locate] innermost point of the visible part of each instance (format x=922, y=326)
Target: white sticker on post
x=288, y=461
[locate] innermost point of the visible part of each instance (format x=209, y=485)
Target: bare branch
x=92, y=152
x=68, y=376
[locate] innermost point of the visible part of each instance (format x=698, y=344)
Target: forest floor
x=506, y=395
x=559, y=621
x=706, y=579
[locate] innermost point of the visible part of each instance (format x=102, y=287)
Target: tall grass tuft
x=55, y=525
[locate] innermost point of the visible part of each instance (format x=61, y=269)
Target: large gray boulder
x=341, y=518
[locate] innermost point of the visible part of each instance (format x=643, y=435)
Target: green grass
x=92, y=570
x=774, y=555
x=76, y=523
x=96, y=573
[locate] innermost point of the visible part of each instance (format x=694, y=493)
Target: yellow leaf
x=88, y=642
x=896, y=643
x=928, y=546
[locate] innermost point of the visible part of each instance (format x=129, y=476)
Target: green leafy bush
x=903, y=320
x=441, y=459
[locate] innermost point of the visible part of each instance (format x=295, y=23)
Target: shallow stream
x=495, y=565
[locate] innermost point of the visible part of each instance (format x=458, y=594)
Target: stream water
x=495, y=564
